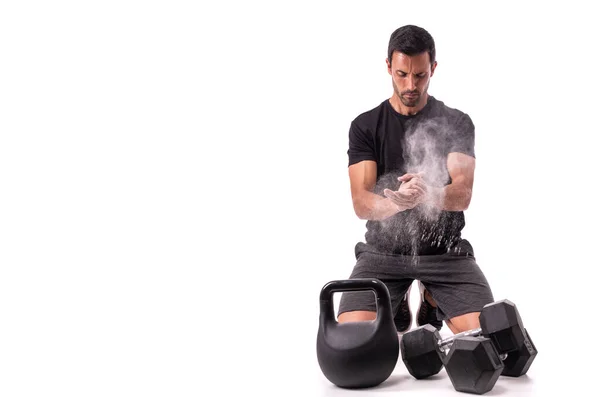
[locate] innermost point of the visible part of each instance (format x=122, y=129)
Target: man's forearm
x=453, y=197
x=371, y=206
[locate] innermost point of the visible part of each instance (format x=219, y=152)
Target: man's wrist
x=393, y=206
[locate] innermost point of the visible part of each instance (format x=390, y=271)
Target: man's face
x=410, y=77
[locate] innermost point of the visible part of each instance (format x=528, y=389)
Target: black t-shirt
x=417, y=143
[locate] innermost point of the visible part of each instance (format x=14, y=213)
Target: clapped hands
x=412, y=191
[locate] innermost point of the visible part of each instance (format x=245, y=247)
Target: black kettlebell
x=357, y=354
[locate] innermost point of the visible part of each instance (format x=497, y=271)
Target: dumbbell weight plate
x=502, y=322
x=473, y=364
x=517, y=363
x=420, y=351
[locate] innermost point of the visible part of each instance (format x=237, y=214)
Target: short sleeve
x=463, y=137
x=360, y=145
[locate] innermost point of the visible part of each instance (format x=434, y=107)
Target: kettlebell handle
x=356, y=284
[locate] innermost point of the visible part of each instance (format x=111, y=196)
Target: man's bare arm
x=368, y=205
x=457, y=195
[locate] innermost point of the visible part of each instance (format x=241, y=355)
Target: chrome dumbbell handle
x=447, y=341
x=444, y=344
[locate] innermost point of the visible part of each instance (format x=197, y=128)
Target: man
x=411, y=168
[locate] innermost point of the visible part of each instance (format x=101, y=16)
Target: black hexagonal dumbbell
x=501, y=346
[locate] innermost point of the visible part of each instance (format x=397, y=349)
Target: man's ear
x=433, y=66
x=389, y=65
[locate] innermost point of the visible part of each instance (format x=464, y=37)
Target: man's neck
x=405, y=110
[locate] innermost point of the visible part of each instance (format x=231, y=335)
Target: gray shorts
x=454, y=279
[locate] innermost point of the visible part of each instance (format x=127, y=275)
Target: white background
x=174, y=190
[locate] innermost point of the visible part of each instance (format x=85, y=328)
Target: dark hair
x=411, y=40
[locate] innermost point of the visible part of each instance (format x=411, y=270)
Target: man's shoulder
x=457, y=126
x=440, y=108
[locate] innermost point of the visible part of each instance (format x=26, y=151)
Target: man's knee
x=464, y=322
x=358, y=315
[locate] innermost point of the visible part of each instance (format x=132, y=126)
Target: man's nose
x=411, y=83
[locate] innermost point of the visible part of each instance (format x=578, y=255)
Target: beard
x=409, y=102
x=412, y=101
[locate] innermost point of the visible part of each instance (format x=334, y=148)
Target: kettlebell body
x=357, y=354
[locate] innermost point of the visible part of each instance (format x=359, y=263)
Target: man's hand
x=410, y=176
x=433, y=196
x=411, y=193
